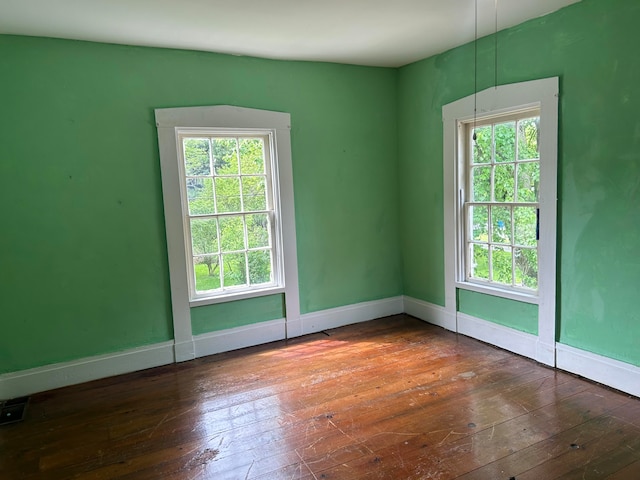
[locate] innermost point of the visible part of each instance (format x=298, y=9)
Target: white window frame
x=170, y=122
x=500, y=100
x=273, y=210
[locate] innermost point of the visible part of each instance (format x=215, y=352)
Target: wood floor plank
x=592, y=459
x=629, y=472
x=460, y=451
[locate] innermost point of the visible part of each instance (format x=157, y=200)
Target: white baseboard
x=619, y=375
x=522, y=343
x=48, y=377
x=184, y=351
x=341, y=316
x=616, y=374
x=239, y=337
x=429, y=312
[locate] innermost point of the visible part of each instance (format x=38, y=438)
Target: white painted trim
x=614, y=373
x=48, y=377
x=347, y=315
x=544, y=94
x=175, y=246
x=232, y=297
x=429, y=312
x=168, y=120
x=498, y=292
x=504, y=337
x=184, y=351
x=239, y=337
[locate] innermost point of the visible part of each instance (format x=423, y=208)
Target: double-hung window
x=227, y=188
x=500, y=163
x=230, y=211
x=501, y=204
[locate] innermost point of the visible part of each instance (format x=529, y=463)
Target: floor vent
x=13, y=410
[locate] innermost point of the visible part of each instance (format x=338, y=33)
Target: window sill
x=231, y=297
x=499, y=292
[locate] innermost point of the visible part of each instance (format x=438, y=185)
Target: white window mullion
x=490, y=243
x=240, y=193
x=468, y=233
x=213, y=176
x=493, y=164
x=516, y=168
x=246, y=246
x=246, y=267
x=513, y=250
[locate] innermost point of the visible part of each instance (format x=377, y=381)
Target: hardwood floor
x=394, y=398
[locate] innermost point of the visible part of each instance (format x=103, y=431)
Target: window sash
x=468, y=203
x=273, y=247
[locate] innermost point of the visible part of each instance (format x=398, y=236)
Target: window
x=500, y=211
x=230, y=217
x=500, y=192
x=500, y=202
x=227, y=187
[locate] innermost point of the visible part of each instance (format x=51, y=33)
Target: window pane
x=528, y=138
x=505, y=142
x=501, y=265
x=225, y=156
x=479, y=261
x=525, y=226
x=231, y=233
x=479, y=223
x=481, y=184
x=504, y=183
x=251, y=155
x=526, y=267
x=258, y=230
x=528, y=181
x=482, y=145
x=200, y=196
x=204, y=236
x=259, y=267
x=254, y=193
x=196, y=156
x=235, y=269
x=501, y=225
x=228, y=194
x=207, y=271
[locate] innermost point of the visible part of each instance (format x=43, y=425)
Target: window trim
x=168, y=122
x=496, y=101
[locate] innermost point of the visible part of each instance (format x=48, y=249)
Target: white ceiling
x=361, y=32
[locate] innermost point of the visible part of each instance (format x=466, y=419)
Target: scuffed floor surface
x=394, y=398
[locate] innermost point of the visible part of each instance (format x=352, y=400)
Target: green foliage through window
x=229, y=207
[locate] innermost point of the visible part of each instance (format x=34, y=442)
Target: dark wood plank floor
x=394, y=398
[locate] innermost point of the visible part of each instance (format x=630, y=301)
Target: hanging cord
x=475, y=71
x=495, y=78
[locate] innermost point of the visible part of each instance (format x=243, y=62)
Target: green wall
x=517, y=315
x=83, y=255
x=592, y=47
x=220, y=316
